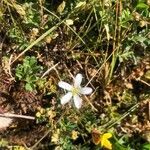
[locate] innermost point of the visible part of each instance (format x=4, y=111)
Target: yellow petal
x=107, y=135
x=74, y=135
x=107, y=144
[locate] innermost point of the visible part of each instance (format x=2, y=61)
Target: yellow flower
x=38, y=114
x=74, y=135
x=55, y=136
x=105, y=142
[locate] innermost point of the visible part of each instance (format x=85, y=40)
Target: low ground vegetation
x=75, y=74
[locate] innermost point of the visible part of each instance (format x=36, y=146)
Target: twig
x=40, y=139
x=99, y=69
x=8, y=115
x=144, y=82
x=53, y=67
x=9, y=67
x=91, y=104
x=69, y=71
x=123, y=116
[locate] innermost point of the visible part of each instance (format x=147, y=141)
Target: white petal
x=5, y=122
x=78, y=80
x=86, y=90
x=77, y=101
x=65, y=85
x=66, y=98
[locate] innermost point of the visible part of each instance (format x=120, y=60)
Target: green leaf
x=142, y=6
x=117, y=146
x=28, y=87
x=80, y=4
x=146, y=146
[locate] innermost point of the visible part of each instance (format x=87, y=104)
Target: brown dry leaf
x=128, y=85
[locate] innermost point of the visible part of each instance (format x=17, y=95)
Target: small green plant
x=17, y=36
x=28, y=72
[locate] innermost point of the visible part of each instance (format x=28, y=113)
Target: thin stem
x=53, y=67
x=8, y=115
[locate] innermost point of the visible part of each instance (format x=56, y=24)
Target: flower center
x=75, y=91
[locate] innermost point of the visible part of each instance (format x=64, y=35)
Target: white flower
x=74, y=91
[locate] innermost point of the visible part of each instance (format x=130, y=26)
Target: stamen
x=75, y=91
